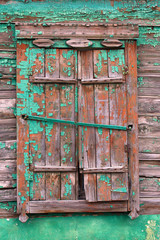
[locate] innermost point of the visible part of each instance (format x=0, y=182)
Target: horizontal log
x=8, y=134
x=51, y=80
x=148, y=82
x=105, y=170
x=7, y=37
x=7, y=54
x=149, y=126
x=149, y=91
x=70, y=206
x=7, y=84
x=8, y=176
x=149, y=206
x=149, y=145
x=8, y=184
x=149, y=185
x=54, y=169
x=8, y=149
x=8, y=209
x=7, y=123
x=7, y=94
x=8, y=195
x=149, y=156
x=7, y=108
x=7, y=166
x=149, y=105
x=102, y=80
x=150, y=194
x=149, y=171
x=75, y=30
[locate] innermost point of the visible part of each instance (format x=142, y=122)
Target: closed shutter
x=77, y=127
x=103, y=155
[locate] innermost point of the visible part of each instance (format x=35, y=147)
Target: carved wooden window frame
x=90, y=31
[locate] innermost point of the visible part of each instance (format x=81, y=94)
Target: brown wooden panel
x=69, y=30
x=68, y=191
x=131, y=80
x=100, y=63
x=76, y=206
x=37, y=128
x=87, y=114
x=7, y=108
x=118, y=116
x=52, y=186
x=102, y=135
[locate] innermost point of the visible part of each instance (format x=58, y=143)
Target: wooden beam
x=77, y=30
x=54, y=169
x=51, y=80
x=70, y=206
x=103, y=80
x=131, y=81
x=104, y=170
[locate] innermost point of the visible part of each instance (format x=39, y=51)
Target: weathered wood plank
x=8, y=166
x=149, y=145
x=149, y=206
x=76, y=206
x=8, y=195
x=7, y=94
x=149, y=156
x=52, y=168
x=149, y=126
x=132, y=115
x=37, y=129
x=87, y=114
x=148, y=105
x=149, y=185
x=7, y=108
x=8, y=84
x=70, y=30
x=8, y=149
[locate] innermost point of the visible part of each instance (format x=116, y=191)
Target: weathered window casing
x=77, y=118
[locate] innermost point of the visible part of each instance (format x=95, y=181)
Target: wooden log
x=149, y=206
x=149, y=145
x=75, y=206
x=8, y=195
x=149, y=105
x=7, y=84
x=149, y=126
x=8, y=149
x=7, y=94
x=7, y=108
x=149, y=156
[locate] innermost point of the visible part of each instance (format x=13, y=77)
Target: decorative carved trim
x=43, y=42
x=76, y=30
x=111, y=43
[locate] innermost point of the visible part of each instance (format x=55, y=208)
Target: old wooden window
x=77, y=119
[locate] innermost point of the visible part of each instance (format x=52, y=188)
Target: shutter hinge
x=125, y=70
x=127, y=148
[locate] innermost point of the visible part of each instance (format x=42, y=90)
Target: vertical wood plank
x=37, y=128
x=67, y=112
x=118, y=116
x=102, y=117
x=87, y=114
x=52, y=129
x=22, y=131
x=131, y=80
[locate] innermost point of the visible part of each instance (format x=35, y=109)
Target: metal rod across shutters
x=28, y=117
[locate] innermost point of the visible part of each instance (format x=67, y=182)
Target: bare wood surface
x=78, y=30
x=103, y=80
x=51, y=80
x=54, y=169
x=105, y=170
x=76, y=206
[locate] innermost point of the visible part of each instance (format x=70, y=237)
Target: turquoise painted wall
x=80, y=227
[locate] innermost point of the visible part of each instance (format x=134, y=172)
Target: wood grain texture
x=76, y=206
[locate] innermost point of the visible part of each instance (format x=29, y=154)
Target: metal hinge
x=127, y=148
x=125, y=70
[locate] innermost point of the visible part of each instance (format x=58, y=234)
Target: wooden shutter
x=73, y=112
x=103, y=155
